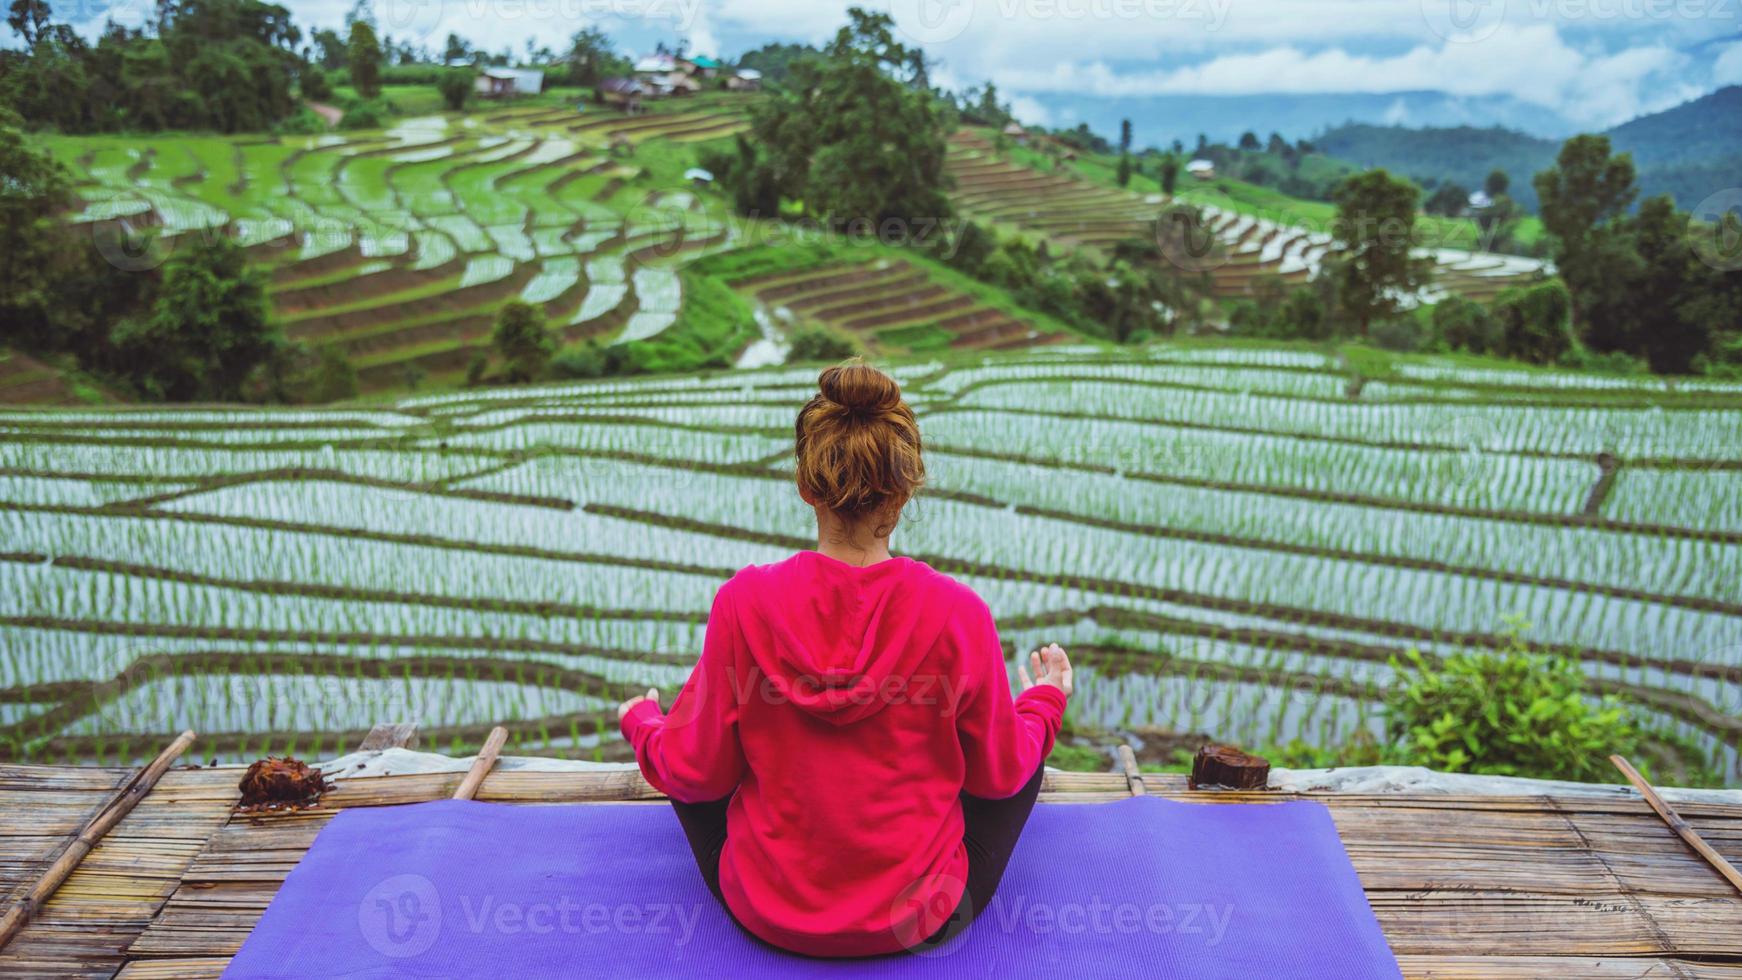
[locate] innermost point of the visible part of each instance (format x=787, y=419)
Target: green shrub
x=319, y=376
x=366, y=114
x=592, y=360
x=818, y=345
x=305, y=122
x=314, y=84
x=1464, y=324
x=456, y=88
x=521, y=341
x=1535, y=322
x=1403, y=334
x=1508, y=712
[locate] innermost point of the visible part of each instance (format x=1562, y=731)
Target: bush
x=1535, y=322
x=366, y=114
x=818, y=345
x=314, y=84
x=320, y=376
x=305, y=122
x=521, y=340
x=1402, y=334
x=1508, y=713
x=456, y=88
x=1609, y=362
x=1303, y=316
x=1464, y=324
x=590, y=360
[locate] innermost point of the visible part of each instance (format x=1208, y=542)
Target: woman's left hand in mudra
x=651, y=695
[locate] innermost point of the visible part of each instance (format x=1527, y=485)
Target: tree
x=456, y=88
x=1249, y=141
x=1464, y=324
x=1448, y=199
x=1584, y=200
x=1668, y=326
x=849, y=139
x=1374, y=233
x=521, y=340
x=314, y=84
x=363, y=55
x=33, y=189
x=458, y=50
x=1124, y=175
x=1496, y=183
x=331, y=47
x=1169, y=173
x=1535, y=322
x=591, y=58
x=28, y=18
x=207, y=330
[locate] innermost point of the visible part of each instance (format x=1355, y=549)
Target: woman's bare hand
x=1050, y=665
x=651, y=695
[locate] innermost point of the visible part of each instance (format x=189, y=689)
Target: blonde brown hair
x=858, y=444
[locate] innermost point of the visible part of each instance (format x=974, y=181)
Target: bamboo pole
x=119, y=805
x=1676, y=823
x=1133, y=775
x=481, y=765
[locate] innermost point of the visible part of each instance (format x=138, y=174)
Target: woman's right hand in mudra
x=1050, y=666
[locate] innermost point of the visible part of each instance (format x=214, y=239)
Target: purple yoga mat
x=1143, y=887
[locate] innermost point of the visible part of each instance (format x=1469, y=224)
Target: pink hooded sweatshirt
x=844, y=709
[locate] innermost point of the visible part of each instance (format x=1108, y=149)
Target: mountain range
x=1690, y=151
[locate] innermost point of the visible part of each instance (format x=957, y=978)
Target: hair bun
x=859, y=388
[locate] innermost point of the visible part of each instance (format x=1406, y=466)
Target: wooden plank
x=390, y=735
x=1465, y=887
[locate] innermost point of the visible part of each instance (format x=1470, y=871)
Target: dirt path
x=331, y=114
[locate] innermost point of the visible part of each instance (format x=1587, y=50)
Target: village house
x=502, y=83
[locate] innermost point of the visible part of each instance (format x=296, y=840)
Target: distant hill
x=1158, y=120
x=1689, y=151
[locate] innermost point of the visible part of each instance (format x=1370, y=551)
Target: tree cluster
x=223, y=65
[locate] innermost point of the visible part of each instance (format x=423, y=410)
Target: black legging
x=990, y=829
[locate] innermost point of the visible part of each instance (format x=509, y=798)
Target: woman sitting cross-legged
x=846, y=758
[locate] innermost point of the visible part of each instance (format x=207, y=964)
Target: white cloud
x=1727, y=70
x=1590, y=60
x=1030, y=112
x=1531, y=63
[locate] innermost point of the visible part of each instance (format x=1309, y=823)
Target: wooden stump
x=1228, y=767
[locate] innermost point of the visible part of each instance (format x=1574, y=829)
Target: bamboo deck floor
x=1472, y=888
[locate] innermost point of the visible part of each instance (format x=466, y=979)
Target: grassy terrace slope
x=887, y=300
x=1276, y=236
x=1234, y=539
x=397, y=247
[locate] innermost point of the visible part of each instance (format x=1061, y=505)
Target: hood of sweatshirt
x=840, y=641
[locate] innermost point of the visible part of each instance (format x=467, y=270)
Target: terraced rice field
x=1076, y=213
x=890, y=305
x=1231, y=540
x=398, y=247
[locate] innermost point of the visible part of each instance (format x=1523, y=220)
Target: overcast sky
x=1596, y=62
